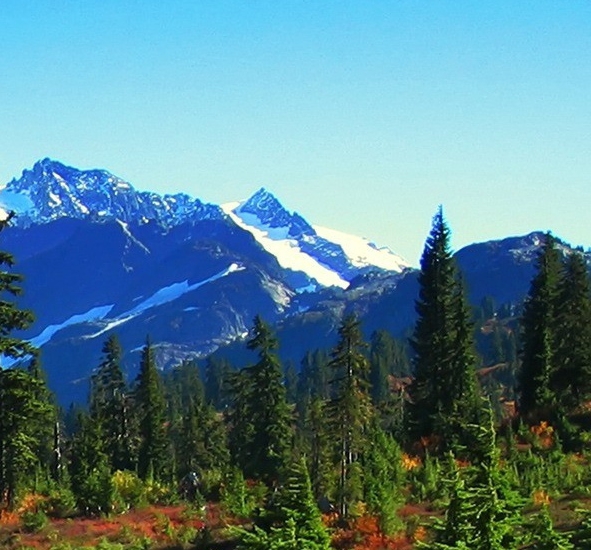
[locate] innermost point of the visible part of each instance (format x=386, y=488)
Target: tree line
x=359, y=430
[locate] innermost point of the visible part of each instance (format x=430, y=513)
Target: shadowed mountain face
x=100, y=257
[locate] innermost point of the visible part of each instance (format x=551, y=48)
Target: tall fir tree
x=43, y=427
x=261, y=411
x=538, y=325
x=571, y=379
x=24, y=418
x=110, y=406
x=237, y=418
x=90, y=472
x=25, y=409
x=443, y=392
x=11, y=317
x=349, y=411
x=153, y=456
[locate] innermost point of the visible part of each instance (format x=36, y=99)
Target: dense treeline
x=483, y=414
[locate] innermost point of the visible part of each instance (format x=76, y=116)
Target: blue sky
x=361, y=115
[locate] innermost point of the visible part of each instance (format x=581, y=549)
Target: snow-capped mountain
x=99, y=258
x=51, y=190
x=330, y=257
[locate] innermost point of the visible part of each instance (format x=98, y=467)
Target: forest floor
x=181, y=527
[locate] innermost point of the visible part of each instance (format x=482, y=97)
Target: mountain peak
x=52, y=190
x=271, y=213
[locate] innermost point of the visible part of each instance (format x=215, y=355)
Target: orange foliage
x=30, y=503
x=420, y=534
x=410, y=462
x=88, y=532
x=462, y=463
x=540, y=497
x=8, y=518
x=364, y=534
x=544, y=433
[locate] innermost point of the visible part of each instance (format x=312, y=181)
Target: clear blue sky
x=362, y=115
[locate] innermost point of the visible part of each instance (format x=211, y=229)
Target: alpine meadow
x=295, y=275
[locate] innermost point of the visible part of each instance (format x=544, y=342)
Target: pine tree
x=383, y=479
x=443, y=392
x=545, y=537
x=11, y=318
x=292, y=519
x=153, y=456
x=24, y=401
x=43, y=427
x=538, y=353
x=89, y=468
x=23, y=417
x=483, y=511
x=110, y=406
x=238, y=419
x=349, y=411
x=571, y=379
x=261, y=430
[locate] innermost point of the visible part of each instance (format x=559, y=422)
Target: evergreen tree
x=349, y=411
x=89, y=468
x=292, y=519
x=264, y=444
x=43, y=426
x=25, y=409
x=217, y=375
x=383, y=479
x=24, y=417
x=483, y=511
x=153, y=456
x=545, y=537
x=11, y=318
x=110, y=407
x=571, y=379
x=238, y=420
x=538, y=353
x=443, y=392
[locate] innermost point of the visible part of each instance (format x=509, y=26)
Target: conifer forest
x=472, y=433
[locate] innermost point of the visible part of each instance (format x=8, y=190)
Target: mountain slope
x=100, y=257
x=330, y=257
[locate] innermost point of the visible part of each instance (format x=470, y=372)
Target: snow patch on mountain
x=274, y=239
x=163, y=296
x=94, y=314
x=131, y=237
x=362, y=252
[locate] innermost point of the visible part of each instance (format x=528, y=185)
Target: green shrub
x=159, y=493
x=60, y=503
x=129, y=491
x=34, y=521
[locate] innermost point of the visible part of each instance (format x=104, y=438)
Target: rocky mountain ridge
x=101, y=258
